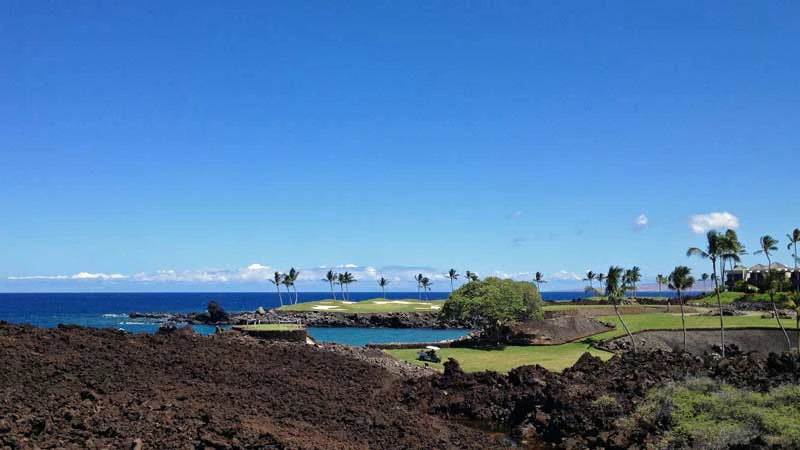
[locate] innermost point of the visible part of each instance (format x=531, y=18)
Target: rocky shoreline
x=325, y=319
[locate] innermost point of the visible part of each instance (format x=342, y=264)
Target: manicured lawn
x=375, y=305
x=554, y=357
x=726, y=297
x=557, y=357
x=558, y=307
x=270, y=327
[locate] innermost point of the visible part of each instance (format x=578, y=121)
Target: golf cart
x=429, y=354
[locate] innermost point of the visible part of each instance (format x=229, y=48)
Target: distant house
x=757, y=275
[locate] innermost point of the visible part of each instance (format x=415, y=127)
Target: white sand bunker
x=429, y=307
x=348, y=303
x=325, y=307
x=398, y=302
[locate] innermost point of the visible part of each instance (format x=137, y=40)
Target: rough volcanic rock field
x=79, y=387
x=578, y=408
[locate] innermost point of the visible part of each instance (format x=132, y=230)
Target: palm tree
x=468, y=275
x=704, y=277
x=600, y=278
x=287, y=281
x=794, y=238
x=590, y=277
x=713, y=250
x=731, y=249
x=276, y=280
x=794, y=304
x=539, y=279
x=348, y=278
x=767, y=245
x=635, y=277
x=661, y=280
x=614, y=289
x=330, y=277
x=418, y=279
x=426, y=283
x=341, y=280
x=292, y=275
x=453, y=275
x=627, y=280
x=473, y=277
x=681, y=280
x=383, y=282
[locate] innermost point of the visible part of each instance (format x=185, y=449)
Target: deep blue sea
x=110, y=310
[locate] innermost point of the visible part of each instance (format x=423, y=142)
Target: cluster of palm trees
x=627, y=279
x=344, y=280
x=286, y=279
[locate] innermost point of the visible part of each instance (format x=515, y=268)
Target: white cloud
x=641, y=222
x=700, y=223
x=563, y=275
x=98, y=276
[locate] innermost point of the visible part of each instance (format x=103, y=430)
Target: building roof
x=773, y=266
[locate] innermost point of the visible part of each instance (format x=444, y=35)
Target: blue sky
x=169, y=143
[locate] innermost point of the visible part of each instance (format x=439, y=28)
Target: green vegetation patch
x=704, y=414
x=375, y=305
x=270, y=327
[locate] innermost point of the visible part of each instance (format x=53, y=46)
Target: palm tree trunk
x=683, y=320
x=347, y=289
x=624, y=325
x=280, y=297
x=341, y=286
x=419, y=293
x=451, y=285
x=333, y=293
x=778, y=318
x=719, y=303
x=384, y=292
x=295, y=293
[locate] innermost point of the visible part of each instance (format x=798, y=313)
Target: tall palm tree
x=662, y=280
x=276, y=280
x=341, y=280
x=600, y=278
x=418, y=279
x=635, y=277
x=614, y=290
x=426, y=283
x=704, y=277
x=539, y=279
x=731, y=249
x=293, y=275
x=348, y=279
x=473, y=277
x=794, y=238
x=713, y=250
x=627, y=277
x=383, y=282
x=681, y=280
x=330, y=277
x=468, y=275
x=287, y=282
x=453, y=275
x=590, y=276
x=767, y=245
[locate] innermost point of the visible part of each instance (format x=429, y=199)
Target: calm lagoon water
x=110, y=310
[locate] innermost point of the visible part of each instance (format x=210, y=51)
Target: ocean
x=110, y=310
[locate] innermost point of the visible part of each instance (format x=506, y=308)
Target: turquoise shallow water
x=362, y=336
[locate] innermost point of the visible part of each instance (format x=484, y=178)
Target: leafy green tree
x=468, y=275
x=615, y=290
x=473, y=277
x=383, y=282
x=681, y=280
x=276, y=280
x=453, y=275
x=493, y=302
x=539, y=279
x=330, y=277
x=714, y=249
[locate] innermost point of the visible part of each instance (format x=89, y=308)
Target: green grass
x=610, y=307
x=557, y=357
x=375, y=305
x=554, y=357
x=270, y=327
x=726, y=297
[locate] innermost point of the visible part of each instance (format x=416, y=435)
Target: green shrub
x=492, y=302
x=702, y=413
